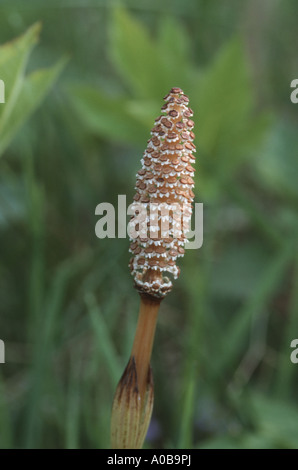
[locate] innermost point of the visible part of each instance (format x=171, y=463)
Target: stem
x=144, y=337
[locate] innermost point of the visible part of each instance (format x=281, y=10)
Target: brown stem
x=144, y=337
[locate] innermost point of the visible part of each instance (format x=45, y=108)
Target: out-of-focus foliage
x=218, y=93
x=22, y=94
x=68, y=311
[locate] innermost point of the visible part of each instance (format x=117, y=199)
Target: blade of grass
x=185, y=437
x=258, y=217
x=196, y=307
x=35, y=208
x=286, y=370
x=72, y=425
x=103, y=340
x=6, y=432
x=45, y=335
x=236, y=334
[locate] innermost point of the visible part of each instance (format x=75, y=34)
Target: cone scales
x=164, y=194
x=162, y=208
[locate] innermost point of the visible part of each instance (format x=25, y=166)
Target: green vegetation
x=68, y=310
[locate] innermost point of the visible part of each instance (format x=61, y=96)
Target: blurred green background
x=78, y=112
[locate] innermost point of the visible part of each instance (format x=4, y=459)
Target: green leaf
x=22, y=94
x=33, y=90
x=173, y=41
x=13, y=59
x=277, y=420
x=136, y=57
x=173, y=46
x=277, y=164
x=224, y=95
x=111, y=117
x=149, y=67
x=221, y=94
x=229, y=126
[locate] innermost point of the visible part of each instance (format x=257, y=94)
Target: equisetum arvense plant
x=162, y=210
